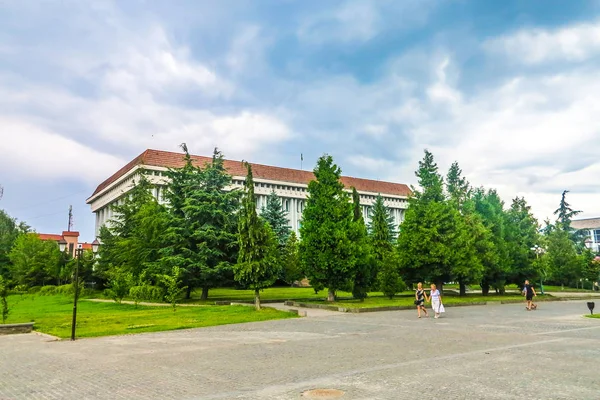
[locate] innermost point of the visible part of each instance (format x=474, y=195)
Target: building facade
x=290, y=185
x=70, y=237
x=591, y=226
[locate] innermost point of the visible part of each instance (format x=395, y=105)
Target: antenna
x=70, y=219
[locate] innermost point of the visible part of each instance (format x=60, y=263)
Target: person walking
x=420, y=297
x=436, y=301
x=529, y=293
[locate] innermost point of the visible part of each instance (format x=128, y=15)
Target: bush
x=119, y=284
x=34, y=289
x=389, y=278
x=47, y=290
x=66, y=290
x=20, y=289
x=147, y=293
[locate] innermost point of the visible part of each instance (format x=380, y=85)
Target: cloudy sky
x=511, y=90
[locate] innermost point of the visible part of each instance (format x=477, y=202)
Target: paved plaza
x=480, y=352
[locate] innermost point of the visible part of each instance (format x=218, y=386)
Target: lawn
x=52, y=315
x=274, y=293
x=593, y=316
x=408, y=299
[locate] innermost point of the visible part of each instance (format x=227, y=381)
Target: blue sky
x=509, y=89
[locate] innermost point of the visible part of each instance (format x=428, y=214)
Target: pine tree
x=290, y=260
x=427, y=243
x=276, y=216
x=256, y=267
x=490, y=208
x=202, y=236
x=521, y=236
x=381, y=214
x=326, y=250
x=365, y=272
x=457, y=186
x=565, y=213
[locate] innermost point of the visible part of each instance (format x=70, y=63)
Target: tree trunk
x=204, y=295
x=330, y=295
x=440, y=287
x=485, y=289
x=502, y=290
x=257, y=299
x=188, y=292
x=463, y=288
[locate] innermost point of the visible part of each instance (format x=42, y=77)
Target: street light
x=62, y=244
x=539, y=250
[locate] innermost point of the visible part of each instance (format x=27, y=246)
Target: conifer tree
x=276, y=216
x=521, y=236
x=429, y=233
x=202, y=236
x=565, y=213
x=326, y=250
x=365, y=270
x=256, y=267
x=290, y=260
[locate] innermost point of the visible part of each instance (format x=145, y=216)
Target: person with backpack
x=529, y=293
x=420, y=298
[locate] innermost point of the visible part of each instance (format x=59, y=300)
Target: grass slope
x=52, y=315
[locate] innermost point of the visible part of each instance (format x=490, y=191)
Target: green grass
x=52, y=315
x=408, y=299
x=593, y=316
x=274, y=293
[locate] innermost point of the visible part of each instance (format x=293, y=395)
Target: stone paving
x=479, y=352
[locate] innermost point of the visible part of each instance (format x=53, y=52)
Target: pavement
x=477, y=352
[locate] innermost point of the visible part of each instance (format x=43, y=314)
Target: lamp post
x=539, y=250
x=78, y=255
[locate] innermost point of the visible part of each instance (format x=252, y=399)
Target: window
x=597, y=236
x=286, y=204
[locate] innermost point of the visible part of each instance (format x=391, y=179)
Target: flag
x=301, y=157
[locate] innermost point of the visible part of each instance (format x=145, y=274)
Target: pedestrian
x=436, y=301
x=420, y=298
x=529, y=293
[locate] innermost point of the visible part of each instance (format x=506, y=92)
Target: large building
x=591, y=226
x=290, y=185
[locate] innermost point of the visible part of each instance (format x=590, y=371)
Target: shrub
x=20, y=289
x=119, y=284
x=389, y=278
x=34, y=289
x=146, y=293
x=3, y=303
x=47, y=290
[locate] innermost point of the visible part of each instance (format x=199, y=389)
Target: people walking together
x=529, y=293
x=420, y=297
x=436, y=301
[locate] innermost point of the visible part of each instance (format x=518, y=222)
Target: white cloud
x=536, y=46
x=28, y=151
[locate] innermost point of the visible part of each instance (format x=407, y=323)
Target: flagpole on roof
x=301, y=160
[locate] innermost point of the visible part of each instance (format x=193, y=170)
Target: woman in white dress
x=436, y=301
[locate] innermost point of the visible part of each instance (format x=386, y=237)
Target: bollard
x=590, y=305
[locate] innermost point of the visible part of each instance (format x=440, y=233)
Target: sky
x=510, y=90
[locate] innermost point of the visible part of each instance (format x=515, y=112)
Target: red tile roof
x=49, y=236
x=86, y=246
x=169, y=159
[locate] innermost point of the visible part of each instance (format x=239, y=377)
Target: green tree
x=34, y=261
x=365, y=273
x=173, y=287
x=326, y=250
x=389, y=278
x=290, y=260
x=119, y=283
x=257, y=263
x=521, y=236
x=457, y=186
x=427, y=243
x=9, y=231
x=132, y=241
x=276, y=216
x=565, y=213
x=490, y=208
x=381, y=215
x=381, y=237
x=202, y=235
x=3, y=299
x=564, y=263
